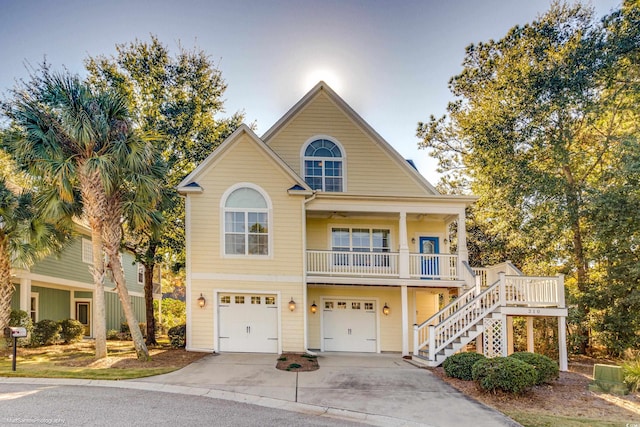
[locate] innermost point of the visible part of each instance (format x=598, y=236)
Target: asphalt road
x=26, y=404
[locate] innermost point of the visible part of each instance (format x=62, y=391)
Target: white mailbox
x=15, y=332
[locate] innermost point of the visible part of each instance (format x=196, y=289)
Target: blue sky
x=390, y=60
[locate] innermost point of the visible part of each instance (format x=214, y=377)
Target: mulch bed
x=297, y=362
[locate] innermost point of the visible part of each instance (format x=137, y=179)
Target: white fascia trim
x=245, y=277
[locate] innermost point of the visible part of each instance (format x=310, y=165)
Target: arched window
x=323, y=161
x=246, y=223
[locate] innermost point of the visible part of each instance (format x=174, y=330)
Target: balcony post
x=463, y=252
x=403, y=261
x=405, y=320
x=416, y=341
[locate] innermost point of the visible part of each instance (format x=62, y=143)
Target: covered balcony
x=382, y=265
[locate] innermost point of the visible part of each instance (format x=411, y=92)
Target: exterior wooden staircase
x=482, y=308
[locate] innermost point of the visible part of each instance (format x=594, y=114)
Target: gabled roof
x=190, y=184
x=359, y=121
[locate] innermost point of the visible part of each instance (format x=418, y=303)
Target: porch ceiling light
x=292, y=304
x=314, y=308
x=386, y=310
x=202, y=301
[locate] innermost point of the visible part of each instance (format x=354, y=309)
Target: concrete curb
x=303, y=408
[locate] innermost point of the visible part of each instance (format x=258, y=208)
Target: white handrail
x=343, y=263
x=446, y=332
x=534, y=291
x=421, y=331
x=433, y=266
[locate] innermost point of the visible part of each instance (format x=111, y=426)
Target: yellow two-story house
x=320, y=236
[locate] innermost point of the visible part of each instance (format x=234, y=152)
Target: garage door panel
x=349, y=325
x=248, y=323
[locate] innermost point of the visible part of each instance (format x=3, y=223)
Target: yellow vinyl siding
x=292, y=333
x=370, y=170
x=246, y=163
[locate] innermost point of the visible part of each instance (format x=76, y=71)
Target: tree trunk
x=112, y=238
x=99, y=312
x=6, y=286
x=95, y=205
x=148, y=301
x=573, y=208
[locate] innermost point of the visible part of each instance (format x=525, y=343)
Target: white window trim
x=85, y=257
x=140, y=267
x=36, y=296
x=350, y=227
x=344, y=159
x=269, y=211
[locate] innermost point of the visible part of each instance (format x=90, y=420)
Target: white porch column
x=504, y=335
x=530, y=342
x=25, y=295
x=405, y=320
x=463, y=252
x=562, y=343
x=509, y=335
x=403, y=267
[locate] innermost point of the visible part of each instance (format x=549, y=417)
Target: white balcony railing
x=381, y=264
x=361, y=264
x=433, y=266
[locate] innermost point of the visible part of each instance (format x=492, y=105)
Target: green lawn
x=77, y=361
x=529, y=419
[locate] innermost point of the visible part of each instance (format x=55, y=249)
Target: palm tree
x=23, y=238
x=82, y=144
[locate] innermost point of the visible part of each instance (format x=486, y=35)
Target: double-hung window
x=246, y=223
x=362, y=245
x=323, y=166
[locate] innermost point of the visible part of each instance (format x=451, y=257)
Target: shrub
x=459, y=365
x=178, y=336
x=112, y=334
x=71, y=330
x=631, y=372
x=20, y=318
x=126, y=332
x=546, y=369
x=504, y=373
x=45, y=332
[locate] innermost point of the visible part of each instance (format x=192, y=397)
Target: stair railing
x=445, y=332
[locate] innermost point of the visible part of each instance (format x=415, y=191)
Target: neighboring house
x=60, y=286
x=320, y=236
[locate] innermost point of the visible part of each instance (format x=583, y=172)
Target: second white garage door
x=349, y=325
x=248, y=323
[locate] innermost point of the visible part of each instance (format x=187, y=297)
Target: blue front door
x=429, y=247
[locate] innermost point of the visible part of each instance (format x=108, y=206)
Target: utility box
x=15, y=332
x=608, y=379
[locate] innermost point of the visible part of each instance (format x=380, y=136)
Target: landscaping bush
x=546, y=369
x=504, y=373
x=126, y=332
x=631, y=371
x=112, y=334
x=71, y=330
x=45, y=332
x=459, y=365
x=178, y=336
x=20, y=318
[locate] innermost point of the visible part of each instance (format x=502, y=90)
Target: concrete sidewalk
x=380, y=389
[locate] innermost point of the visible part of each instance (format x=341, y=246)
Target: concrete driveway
x=382, y=385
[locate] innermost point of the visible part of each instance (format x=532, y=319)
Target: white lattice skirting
x=493, y=344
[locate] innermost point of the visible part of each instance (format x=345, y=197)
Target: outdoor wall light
x=386, y=310
x=413, y=240
x=202, y=301
x=292, y=304
x=314, y=308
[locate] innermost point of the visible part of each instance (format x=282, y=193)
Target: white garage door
x=349, y=325
x=248, y=323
